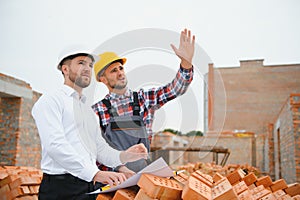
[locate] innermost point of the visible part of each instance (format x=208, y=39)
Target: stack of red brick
x=20, y=183
x=23, y=183
x=212, y=168
x=200, y=186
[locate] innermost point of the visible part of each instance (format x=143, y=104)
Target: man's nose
x=87, y=68
x=120, y=72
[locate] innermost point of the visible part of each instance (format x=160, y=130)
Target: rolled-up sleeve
x=156, y=97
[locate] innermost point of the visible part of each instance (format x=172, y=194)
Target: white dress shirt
x=70, y=135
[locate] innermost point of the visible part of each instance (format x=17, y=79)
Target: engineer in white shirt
x=70, y=135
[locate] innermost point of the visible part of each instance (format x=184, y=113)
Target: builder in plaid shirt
x=120, y=100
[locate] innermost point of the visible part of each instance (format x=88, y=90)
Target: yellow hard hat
x=105, y=60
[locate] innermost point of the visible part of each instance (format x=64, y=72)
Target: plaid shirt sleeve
x=102, y=113
x=157, y=97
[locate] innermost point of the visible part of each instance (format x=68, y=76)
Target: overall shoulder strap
x=136, y=106
x=112, y=111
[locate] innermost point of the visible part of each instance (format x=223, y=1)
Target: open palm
x=186, y=47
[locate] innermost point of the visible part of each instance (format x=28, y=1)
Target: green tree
x=172, y=131
x=194, y=133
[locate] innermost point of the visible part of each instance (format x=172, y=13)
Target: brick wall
x=286, y=141
x=295, y=102
x=9, y=119
x=28, y=147
x=249, y=97
x=20, y=144
x=270, y=163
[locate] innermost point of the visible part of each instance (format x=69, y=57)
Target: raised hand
x=186, y=48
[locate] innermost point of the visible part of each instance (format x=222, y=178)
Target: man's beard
x=79, y=80
x=118, y=86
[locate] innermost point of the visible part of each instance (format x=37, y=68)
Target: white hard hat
x=73, y=50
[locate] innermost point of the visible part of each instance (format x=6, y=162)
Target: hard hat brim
x=123, y=61
x=73, y=50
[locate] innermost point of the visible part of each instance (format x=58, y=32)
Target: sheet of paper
x=158, y=168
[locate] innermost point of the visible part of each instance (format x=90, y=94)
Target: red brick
x=217, y=176
x=7, y=180
x=11, y=167
x=240, y=187
x=250, y=178
x=34, y=189
x=106, y=196
x=293, y=189
x=269, y=197
x=261, y=194
x=24, y=181
x=16, y=192
x=285, y=197
x=27, y=197
x=158, y=187
x=3, y=174
x=25, y=189
x=202, y=179
x=196, y=190
x=205, y=176
x=257, y=189
x=125, y=194
x=246, y=195
x=183, y=175
x=297, y=197
x=180, y=180
x=279, y=193
x=223, y=191
x=141, y=195
x=266, y=181
x=269, y=188
x=280, y=184
x=235, y=176
x=4, y=190
x=252, y=186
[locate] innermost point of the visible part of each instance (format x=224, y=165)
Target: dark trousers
x=65, y=187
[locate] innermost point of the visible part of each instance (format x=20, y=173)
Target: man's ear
x=103, y=79
x=65, y=69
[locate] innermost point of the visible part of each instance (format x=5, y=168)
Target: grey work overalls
x=123, y=132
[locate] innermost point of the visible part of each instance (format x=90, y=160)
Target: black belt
x=69, y=177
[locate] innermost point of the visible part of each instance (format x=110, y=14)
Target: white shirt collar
x=69, y=91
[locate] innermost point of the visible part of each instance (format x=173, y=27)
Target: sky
x=33, y=32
